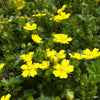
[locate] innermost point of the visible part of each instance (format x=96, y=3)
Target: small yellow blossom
x=60, y=17
x=28, y=18
x=19, y=4
x=27, y=57
x=61, y=9
x=21, y=17
x=39, y=15
x=51, y=18
x=76, y=56
x=62, y=38
x=51, y=53
x=45, y=65
x=91, y=54
x=61, y=54
x=55, y=56
x=98, y=0
x=30, y=27
x=29, y=69
x=36, y=38
x=62, y=70
x=7, y=97
x=9, y=20
x=1, y=66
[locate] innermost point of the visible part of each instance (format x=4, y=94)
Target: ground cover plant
x=49, y=49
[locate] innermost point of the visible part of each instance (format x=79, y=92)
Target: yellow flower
x=7, y=97
x=39, y=15
x=36, y=38
x=91, y=54
x=62, y=70
x=61, y=54
x=98, y=0
x=29, y=69
x=19, y=4
x=21, y=17
x=51, y=54
x=1, y=66
x=76, y=56
x=9, y=20
x=28, y=18
x=58, y=18
x=55, y=56
x=45, y=65
x=62, y=38
x=27, y=57
x=61, y=9
x=30, y=27
x=61, y=15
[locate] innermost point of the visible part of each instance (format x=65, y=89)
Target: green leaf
x=30, y=98
x=81, y=17
x=94, y=68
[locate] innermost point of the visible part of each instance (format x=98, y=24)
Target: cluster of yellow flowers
x=30, y=27
x=61, y=15
x=61, y=70
x=87, y=54
x=39, y=15
x=62, y=38
x=7, y=97
x=1, y=66
x=19, y=4
x=30, y=69
x=36, y=38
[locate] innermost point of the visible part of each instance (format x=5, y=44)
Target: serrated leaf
x=94, y=68
x=81, y=17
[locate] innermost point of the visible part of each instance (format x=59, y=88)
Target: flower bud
x=29, y=44
x=70, y=95
x=23, y=45
x=5, y=34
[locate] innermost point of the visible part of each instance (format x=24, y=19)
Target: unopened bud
x=70, y=95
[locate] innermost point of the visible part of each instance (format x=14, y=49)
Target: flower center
x=29, y=68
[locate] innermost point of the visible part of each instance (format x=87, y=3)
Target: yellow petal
x=33, y=73
x=56, y=73
x=63, y=75
x=7, y=97
x=25, y=73
x=87, y=51
x=24, y=66
x=65, y=62
x=3, y=98
x=1, y=66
